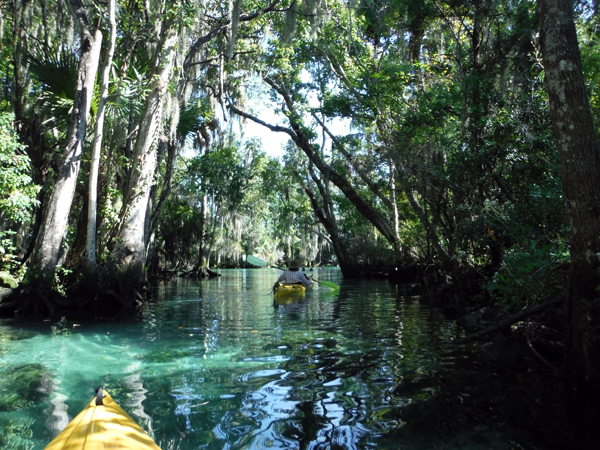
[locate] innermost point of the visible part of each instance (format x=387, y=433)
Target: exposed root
x=510, y=320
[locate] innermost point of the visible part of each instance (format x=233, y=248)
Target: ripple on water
x=261, y=374
x=350, y=370
x=276, y=358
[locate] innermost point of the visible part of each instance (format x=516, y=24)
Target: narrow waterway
x=218, y=365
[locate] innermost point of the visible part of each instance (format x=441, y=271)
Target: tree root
x=45, y=301
x=537, y=355
x=509, y=321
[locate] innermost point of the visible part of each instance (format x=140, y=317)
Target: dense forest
x=468, y=163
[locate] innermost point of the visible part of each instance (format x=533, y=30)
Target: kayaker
x=294, y=275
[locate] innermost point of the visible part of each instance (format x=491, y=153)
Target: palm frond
x=57, y=74
x=192, y=118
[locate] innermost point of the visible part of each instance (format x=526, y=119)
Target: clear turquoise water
x=218, y=365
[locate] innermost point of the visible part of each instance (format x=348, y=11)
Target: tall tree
x=579, y=152
x=130, y=242
x=97, y=143
x=40, y=274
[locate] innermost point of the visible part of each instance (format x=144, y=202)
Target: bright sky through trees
x=273, y=143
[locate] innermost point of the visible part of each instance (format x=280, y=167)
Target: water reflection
x=219, y=365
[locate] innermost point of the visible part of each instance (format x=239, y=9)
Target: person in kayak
x=294, y=275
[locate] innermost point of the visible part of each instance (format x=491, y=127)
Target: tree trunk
x=347, y=265
x=202, y=232
x=21, y=82
x=326, y=216
x=129, y=251
x=166, y=188
x=202, y=236
x=97, y=146
x=579, y=153
x=40, y=274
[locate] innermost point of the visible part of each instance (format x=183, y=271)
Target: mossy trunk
x=579, y=153
x=129, y=252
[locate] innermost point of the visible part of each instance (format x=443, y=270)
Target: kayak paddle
x=256, y=261
x=329, y=284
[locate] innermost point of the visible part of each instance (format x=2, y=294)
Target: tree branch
x=276, y=128
x=221, y=27
x=510, y=320
x=363, y=176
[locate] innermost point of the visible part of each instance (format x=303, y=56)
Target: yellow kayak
x=289, y=289
x=102, y=426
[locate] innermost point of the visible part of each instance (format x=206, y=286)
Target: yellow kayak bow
x=102, y=425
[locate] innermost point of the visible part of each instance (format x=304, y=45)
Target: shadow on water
x=219, y=364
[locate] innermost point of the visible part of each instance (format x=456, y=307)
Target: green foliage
x=222, y=178
x=192, y=118
x=17, y=191
x=588, y=28
x=17, y=195
x=528, y=276
x=61, y=274
x=532, y=255
x=9, y=261
x=221, y=174
x=446, y=104
x=7, y=280
x=57, y=76
x=57, y=73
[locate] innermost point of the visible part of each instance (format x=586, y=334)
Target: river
x=219, y=365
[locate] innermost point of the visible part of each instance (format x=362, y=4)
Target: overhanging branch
x=276, y=128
